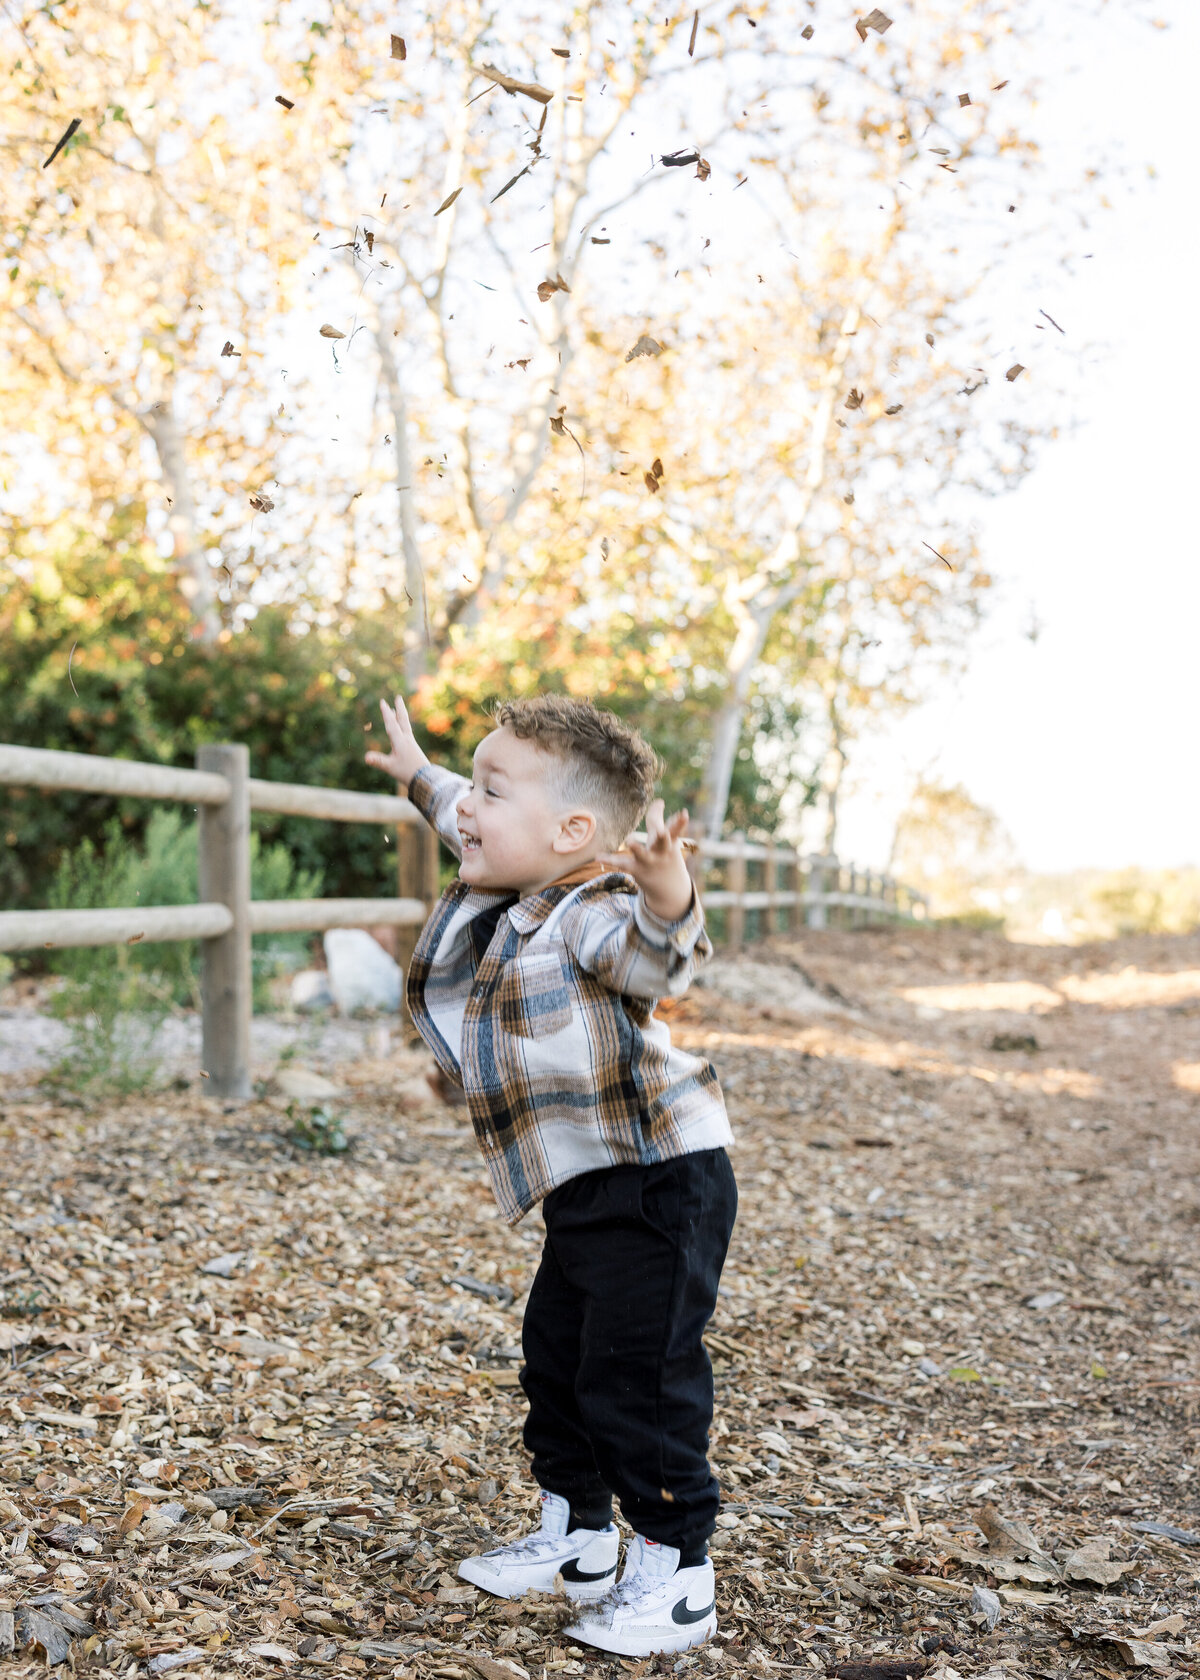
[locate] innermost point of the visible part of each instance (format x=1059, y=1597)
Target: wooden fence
x=815, y=892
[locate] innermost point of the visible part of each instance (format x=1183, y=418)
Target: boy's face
x=516, y=833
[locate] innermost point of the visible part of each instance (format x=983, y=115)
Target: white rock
x=305, y=1084
x=361, y=974
x=310, y=990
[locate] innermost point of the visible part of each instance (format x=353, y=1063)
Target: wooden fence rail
x=814, y=890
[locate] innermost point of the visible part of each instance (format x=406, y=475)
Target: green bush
x=115, y=998
x=97, y=656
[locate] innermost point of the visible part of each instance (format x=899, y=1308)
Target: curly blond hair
x=601, y=763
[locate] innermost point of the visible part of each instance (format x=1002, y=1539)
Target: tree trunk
x=197, y=581
x=837, y=753
x=417, y=641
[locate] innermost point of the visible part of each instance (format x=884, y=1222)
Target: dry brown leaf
x=510, y=84
x=964, y=99
x=261, y=502
x=1014, y=372
x=288, y=104
x=645, y=346
x=399, y=50
x=692, y=37
x=447, y=202
x=806, y=34
x=1006, y=1537
x=854, y=400
x=877, y=20
x=1090, y=1562
x=703, y=169
x=561, y=52
x=331, y=332
x=894, y=409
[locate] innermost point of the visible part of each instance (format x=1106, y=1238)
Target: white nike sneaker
x=656, y=1607
x=586, y=1559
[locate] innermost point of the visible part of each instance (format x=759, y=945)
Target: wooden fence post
x=771, y=884
x=416, y=877
x=735, y=881
x=817, y=876
x=794, y=915
x=224, y=878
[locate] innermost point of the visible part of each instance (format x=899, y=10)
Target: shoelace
x=531, y=1544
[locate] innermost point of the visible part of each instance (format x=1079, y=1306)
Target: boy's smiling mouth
x=470, y=842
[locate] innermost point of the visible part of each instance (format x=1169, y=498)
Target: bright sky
x=1084, y=742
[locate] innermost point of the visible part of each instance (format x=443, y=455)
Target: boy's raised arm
x=649, y=946
x=406, y=757
x=437, y=795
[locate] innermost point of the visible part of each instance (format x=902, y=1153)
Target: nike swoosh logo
x=571, y=1571
x=684, y=1617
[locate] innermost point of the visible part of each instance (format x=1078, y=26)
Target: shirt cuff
x=681, y=935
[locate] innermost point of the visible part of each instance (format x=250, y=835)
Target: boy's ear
x=576, y=831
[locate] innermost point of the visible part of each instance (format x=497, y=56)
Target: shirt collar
x=530, y=912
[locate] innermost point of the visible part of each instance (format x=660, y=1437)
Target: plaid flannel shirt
x=543, y=1010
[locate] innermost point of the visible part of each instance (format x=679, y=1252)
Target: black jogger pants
x=619, y=1383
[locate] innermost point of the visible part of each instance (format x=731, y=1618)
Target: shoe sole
x=577, y=1593
x=633, y=1644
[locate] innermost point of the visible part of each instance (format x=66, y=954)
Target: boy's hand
x=658, y=865
x=406, y=757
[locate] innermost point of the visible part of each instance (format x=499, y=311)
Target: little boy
x=534, y=984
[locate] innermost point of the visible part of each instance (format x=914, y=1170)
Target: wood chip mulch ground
x=255, y=1404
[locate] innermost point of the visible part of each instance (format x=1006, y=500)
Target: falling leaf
x=806, y=34
x=447, y=202
x=331, y=332
x=692, y=39
x=512, y=182
x=1014, y=371
x=958, y=1372
x=894, y=409
x=604, y=548
x=848, y=498
x=651, y=483
x=854, y=400
x=70, y=678
x=560, y=52
x=877, y=20
x=929, y=339
x=135, y=938
x=370, y=239
x=510, y=84
x=645, y=346
x=703, y=169
x=596, y=241
x=72, y=128
x=964, y=99
x=399, y=50
x=227, y=348
x=940, y=151
x=547, y=288
x=558, y=425
x=679, y=160
x=288, y=104
x=261, y=502
x=1000, y=85
x=657, y=467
